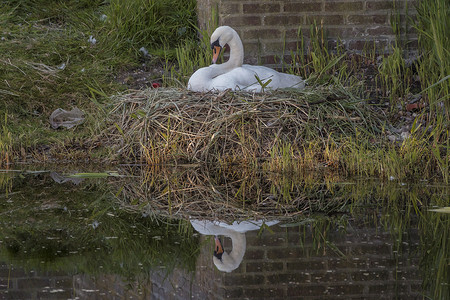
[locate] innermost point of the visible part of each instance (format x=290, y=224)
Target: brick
x=255, y=293
x=296, y=34
x=5, y=283
x=30, y=283
x=326, y=19
x=343, y=6
x=283, y=20
x=345, y=31
x=367, y=19
x=302, y=7
x=261, y=33
x=55, y=295
x=227, y=8
x=329, y=277
x=288, y=279
x=266, y=239
x=362, y=44
x=416, y=287
x=382, y=263
x=233, y=292
x=384, y=288
x=64, y=283
x=346, y=289
x=236, y=21
x=307, y=265
x=14, y=294
x=304, y=291
x=407, y=274
x=380, y=30
x=238, y=279
x=413, y=43
x=254, y=254
x=264, y=267
x=338, y=263
x=274, y=47
x=380, y=5
x=251, y=8
x=284, y=253
x=269, y=60
x=370, y=275
x=12, y=272
x=252, y=47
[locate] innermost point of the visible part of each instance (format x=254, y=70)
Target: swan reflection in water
x=227, y=262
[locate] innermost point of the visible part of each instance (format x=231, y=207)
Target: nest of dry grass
x=156, y=126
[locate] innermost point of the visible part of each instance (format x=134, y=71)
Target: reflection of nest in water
x=188, y=192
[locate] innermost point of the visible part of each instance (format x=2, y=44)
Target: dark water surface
x=150, y=235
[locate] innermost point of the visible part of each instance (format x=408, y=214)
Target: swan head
x=218, y=249
x=227, y=262
x=220, y=37
x=223, y=261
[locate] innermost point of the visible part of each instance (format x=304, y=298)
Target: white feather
x=234, y=75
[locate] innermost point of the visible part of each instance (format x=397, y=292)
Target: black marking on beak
x=218, y=249
x=216, y=43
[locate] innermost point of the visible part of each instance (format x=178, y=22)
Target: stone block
x=368, y=19
x=252, y=8
x=330, y=277
x=346, y=289
x=370, y=275
x=301, y=7
x=33, y=283
x=307, y=265
x=239, y=279
x=344, y=7
x=264, y=292
x=17, y=295
x=325, y=19
x=227, y=8
x=304, y=291
x=257, y=254
x=241, y=20
x=261, y=33
x=283, y=20
x=264, y=267
x=382, y=5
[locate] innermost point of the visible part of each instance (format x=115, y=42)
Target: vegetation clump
x=358, y=116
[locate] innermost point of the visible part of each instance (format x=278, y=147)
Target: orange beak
x=218, y=249
x=216, y=53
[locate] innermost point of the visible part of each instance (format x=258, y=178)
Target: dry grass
x=156, y=126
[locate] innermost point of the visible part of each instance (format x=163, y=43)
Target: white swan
x=233, y=74
x=227, y=262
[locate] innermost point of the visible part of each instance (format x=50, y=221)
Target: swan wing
x=278, y=80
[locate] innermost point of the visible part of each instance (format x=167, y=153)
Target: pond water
x=151, y=234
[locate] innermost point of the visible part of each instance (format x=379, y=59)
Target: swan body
x=236, y=231
x=233, y=74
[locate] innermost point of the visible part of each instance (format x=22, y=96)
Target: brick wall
x=16, y=283
x=265, y=25
x=282, y=265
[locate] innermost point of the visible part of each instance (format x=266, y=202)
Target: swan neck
x=236, y=52
x=238, y=242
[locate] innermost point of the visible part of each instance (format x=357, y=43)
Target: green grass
x=159, y=26
x=5, y=143
x=434, y=65
x=49, y=61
